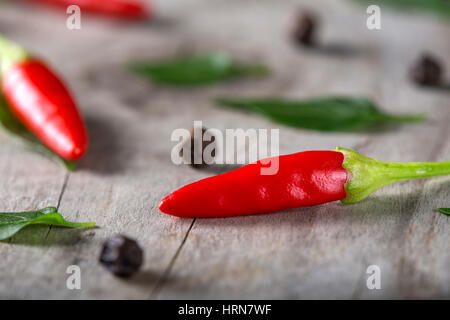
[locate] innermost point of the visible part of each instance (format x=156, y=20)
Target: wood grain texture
x=319, y=252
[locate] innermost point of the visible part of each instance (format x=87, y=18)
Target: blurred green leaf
x=325, y=114
x=440, y=7
x=196, y=70
x=13, y=222
x=445, y=211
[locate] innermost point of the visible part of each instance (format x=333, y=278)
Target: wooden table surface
x=319, y=252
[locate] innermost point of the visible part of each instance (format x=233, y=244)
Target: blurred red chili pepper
x=131, y=9
x=303, y=179
x=41, y=102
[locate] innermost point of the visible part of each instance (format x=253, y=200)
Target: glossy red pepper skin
x=131, y=9
x=44, y=105
x=304, y=179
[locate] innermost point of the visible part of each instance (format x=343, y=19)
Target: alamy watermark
x=374, y=278
x=73, y=22
x=374, y=20
x=212, y=146
x=73, y=281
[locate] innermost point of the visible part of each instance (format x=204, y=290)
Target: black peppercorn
x=121, y=255
x=427, y=71
x=303, y=29
x=192, y=141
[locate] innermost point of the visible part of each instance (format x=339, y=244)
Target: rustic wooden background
x=319, y=252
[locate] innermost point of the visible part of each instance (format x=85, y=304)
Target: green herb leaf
x=440, y=7
x=197, y=70
x=325, y=114
x=15, y=127
x=445, y=211
x=13, y=222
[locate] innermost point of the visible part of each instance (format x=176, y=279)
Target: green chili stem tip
x=10, y=53
x=368, y=175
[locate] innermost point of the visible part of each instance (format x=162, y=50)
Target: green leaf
x=196, y=70
x=13, y=222
x=15, y=127
x=325, y=114
x=445, y=211
x=440, y=7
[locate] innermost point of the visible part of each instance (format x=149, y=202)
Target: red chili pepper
x=41, y=102
x=304, y=179
x=120, y=8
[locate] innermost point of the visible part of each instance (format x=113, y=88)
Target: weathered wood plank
x=116, y=185
x=323, y=252
x=35, y=183
x=320, y=252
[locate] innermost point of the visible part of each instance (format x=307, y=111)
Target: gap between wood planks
x=63, y=188
x=356, y=294
x=165, y=276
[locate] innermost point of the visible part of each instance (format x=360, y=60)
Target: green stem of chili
x=367, y=175
x=405, y=118
x=10, y=53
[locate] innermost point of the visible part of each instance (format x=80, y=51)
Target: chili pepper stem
x=367, y=175
x=405, y=118
x=70, y=224
x=10, y=54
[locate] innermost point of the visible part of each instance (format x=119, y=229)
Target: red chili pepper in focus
x=120, y=8
x=39, y=99
x=303, y=179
